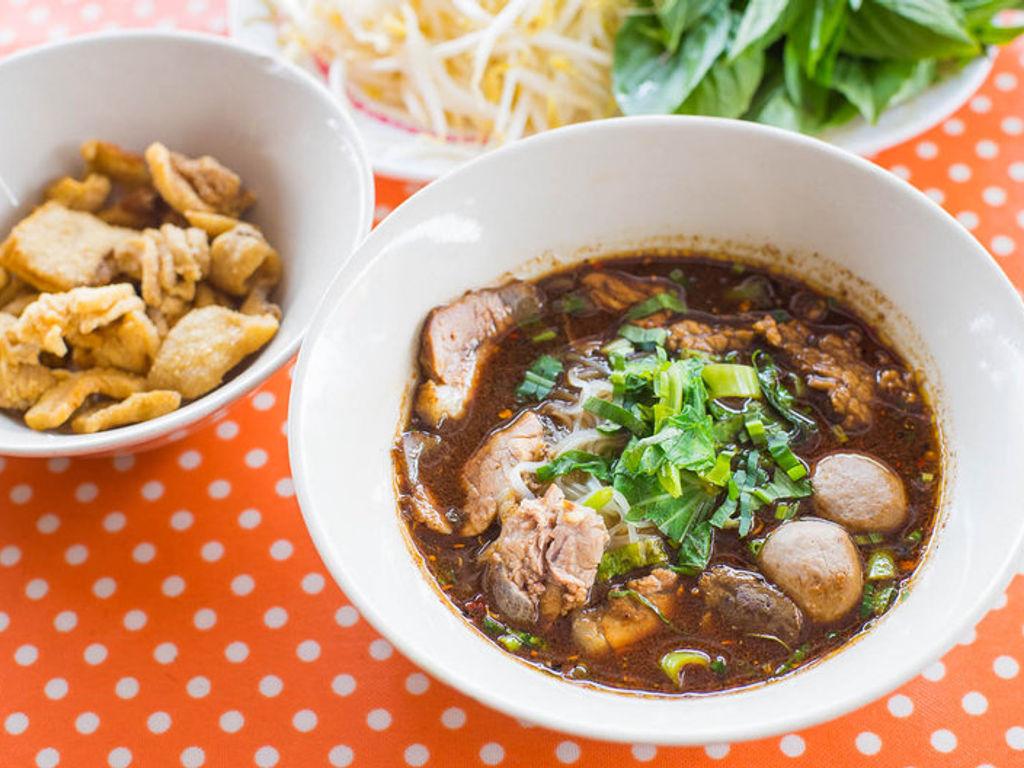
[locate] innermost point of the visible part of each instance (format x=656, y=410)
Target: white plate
x=404, y=154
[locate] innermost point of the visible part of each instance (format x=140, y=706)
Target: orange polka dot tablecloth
x=169, y=609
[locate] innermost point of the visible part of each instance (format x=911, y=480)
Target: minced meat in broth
x=654, y=566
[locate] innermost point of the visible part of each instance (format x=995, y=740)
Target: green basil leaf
x=978, y=13
x=762, y=23
x=695, y=549
x=807, y=94
x=908, y=30
x=648, y=79
x=817, y=33
x=677, y=16
x=872, y=86
x=728, y=88
x=991, y=34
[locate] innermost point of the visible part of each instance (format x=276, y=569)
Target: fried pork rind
x=167, y=262
x=138, y=208
x=142, y=406
x=130, y=343
x=241, y=259
x=21, y=382
x=87, y=194
x=60, y=401
x=18, y=304
x=196, y=184
x=206, y=344
x=206, y=295
x=110, y=160
x=256, y=303
x=12, y=288
x=56, y=249
x=212, y=224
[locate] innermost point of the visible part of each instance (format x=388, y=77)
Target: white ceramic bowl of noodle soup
x=607, y=187
x=273, y=124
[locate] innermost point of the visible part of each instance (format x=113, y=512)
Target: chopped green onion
x=730, y=380
x=785, y=458
x=609, y=411
x=883, y=598
x=718, y=666
x=674, y=662
x=618, y=347
x=915, y=536
x=656, y=303
x=755, y=546
x=599, y=498
x=572, y=304
x=644, y=337
x=677, y=276
x=720, y=473
x=629, y=557
x=512, y=639
x=927, y=477
x=540, y=378
x=881, y=566
x=787, y=511
x=510, y=642
x=794, y=659
x=840, y=433
x=869, y=538
x=546, y=335
x=755, y=428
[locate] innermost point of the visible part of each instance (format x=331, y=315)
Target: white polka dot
x=981, y=104
x=934, y=672
x=242, y=584
x=1000, y=602
x=152, y=490
x=1015, y=738
x=346, y=616
x=198, y=687
x=416, y=755
x=204, y=618
x=927, y=150
x=182, y=520
x=36, y=589
x=232, y=721
x=16, y=723
x=312, y=583
x=868, y=743
x=343, y=685
x=58, y=464
x=135, y=620
x=173, y=586
x=86, y=492
x=1006, y=81
x=308, y=650
x=165, y=653
x=281, y=549
x=39, y=14
x=492, y=753
x=190, y=459
x=381, y=649
x=227, y=430
x=236, y=652
x=104, y=587
x=943, y=740
x=271, y=685
x=127, y=688
x=56, y=688
x=275, y=617
x=284, y=427
x=284, y=488
x=643, y=753
x=717, y=751
x=48, y=523
x=114, y=522
x=567, y=752
x=21, y=493
x=9, y=555
x=937, y=195
x=968, y=218
x=249, y=518
x=212, y=551
x=158, y=722
x=219, y=489
x=340, y=756
x=902, y=171
x=994, y=196
x=378, y=719
x=26, y=655
x=986, y=149
x=960, y=172
x=266, y=757
x=195, y=7
x=968, y=637
x=87, y=723
x=1012, y=126
x=953, y=127
x=263, y=401
x=65, y=621
x=5, y=621
x=255, y=458
x=453, y=718
x=124, y=462
x=76, y=554
x=792, y=745
x=1016, y=171
x=119, y=757
x=304, y=720
x=900, y=706
x=192, y=757
x=1006, y=667
x=95, y=653
x=974, y=703
x=144, y=552
x=48, y=757
x=1003, y=245
x=417, y=683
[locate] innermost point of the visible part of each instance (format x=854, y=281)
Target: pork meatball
x=816, y=564
x=859, y=492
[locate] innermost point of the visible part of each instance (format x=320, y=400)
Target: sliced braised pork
x=615, y=291
x=457, y=335
x=423, y=506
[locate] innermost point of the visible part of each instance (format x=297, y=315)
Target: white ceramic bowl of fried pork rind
x=610, y=186
x=273, y=124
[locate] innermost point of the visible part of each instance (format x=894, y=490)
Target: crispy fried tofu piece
x=110, y=160
x=241, y=258
x=212, y=224
x=167, y=262
x=21, y=382
x=60, y=401
x=53, y=317
x=196, y=184
x=206, y=344
x=142, y=406
x=130, y=343
x=87, y=194
x=56, y=249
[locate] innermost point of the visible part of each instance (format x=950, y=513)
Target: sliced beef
x=830, y=362
x=713, y=339
x=544, y=562
x=455, y=338
x=615, y=291
x=422, y=504
x=859, y=492
x=624, y=621
x=746, y=602
x=485, y=477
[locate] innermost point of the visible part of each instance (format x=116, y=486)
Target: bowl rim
x=131, y=437
x=842, y=702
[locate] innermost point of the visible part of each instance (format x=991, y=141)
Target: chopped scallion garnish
x=655, y=304
x=881, y=566
x=546, y=335
x=540, y=378
x=730, y=380
x=609, y=411
x=645, y=338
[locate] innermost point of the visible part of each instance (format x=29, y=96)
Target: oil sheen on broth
x=617, y=472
